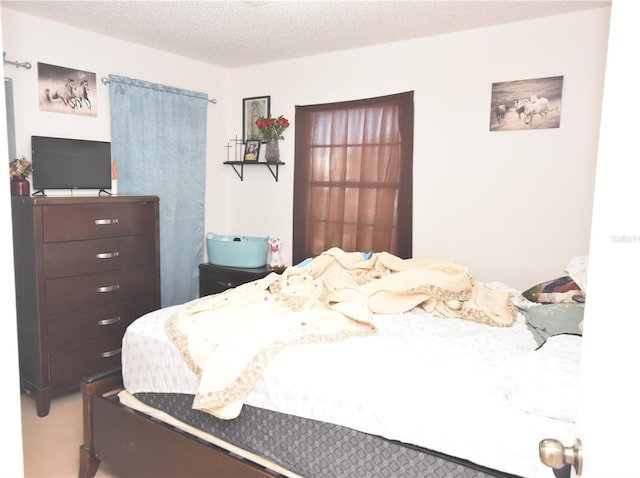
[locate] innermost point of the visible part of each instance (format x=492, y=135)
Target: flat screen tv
x=64, y=163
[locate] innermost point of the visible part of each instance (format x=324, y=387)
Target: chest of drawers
x=85, y=268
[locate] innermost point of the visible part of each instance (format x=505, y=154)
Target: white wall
x=609, y=346
x=12, y=457
x=64, y=46
x=512, y=206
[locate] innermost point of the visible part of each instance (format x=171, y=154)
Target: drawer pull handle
x=110, y=353
x=226, y=284
x=101, y=222
x=110, y=321
x=108, y=288
x=107, y=255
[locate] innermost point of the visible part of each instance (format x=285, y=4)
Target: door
x=609, y=416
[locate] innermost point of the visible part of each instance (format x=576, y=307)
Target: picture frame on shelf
x=252, y=109
x=251, y=150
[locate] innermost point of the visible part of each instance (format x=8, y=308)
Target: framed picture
x=252, y=109
x=251, y=150
x=66, y=90
x=526, y=104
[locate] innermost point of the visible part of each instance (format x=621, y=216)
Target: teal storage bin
x=237, y=251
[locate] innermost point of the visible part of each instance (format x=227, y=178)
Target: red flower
x=272, y=128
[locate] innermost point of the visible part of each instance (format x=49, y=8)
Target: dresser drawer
x=62, y=259
x=94, y=220
x=67, y=366
x=95, y=323
x=80, y=292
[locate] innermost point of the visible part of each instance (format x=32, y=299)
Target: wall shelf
x=238, y=167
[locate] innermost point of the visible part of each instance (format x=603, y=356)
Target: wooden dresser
x=85, y=268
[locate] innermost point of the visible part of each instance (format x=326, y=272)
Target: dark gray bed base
x=133, y=444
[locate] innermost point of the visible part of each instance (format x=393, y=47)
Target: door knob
x=554, y=454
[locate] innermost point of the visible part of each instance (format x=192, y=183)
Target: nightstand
x=215, y=279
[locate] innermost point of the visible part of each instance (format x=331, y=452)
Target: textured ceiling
x=240, y=33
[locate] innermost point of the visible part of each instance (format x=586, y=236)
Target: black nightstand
x=215, y=279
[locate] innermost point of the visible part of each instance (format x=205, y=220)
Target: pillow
x=577, y=269
x=365, y=255
x=547, y=320
x=546, y=381
x=563, y=289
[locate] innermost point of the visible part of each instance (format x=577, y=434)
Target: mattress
x=296, y=447
x=447, y=385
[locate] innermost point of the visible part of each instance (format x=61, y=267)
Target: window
x=353, y=176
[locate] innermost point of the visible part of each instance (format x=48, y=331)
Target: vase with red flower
x=272, y=151
x=271, y=131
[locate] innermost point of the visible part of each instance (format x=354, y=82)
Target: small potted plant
x=19, y=169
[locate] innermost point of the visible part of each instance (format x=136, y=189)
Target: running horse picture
x=526, y=104
x=65, y=90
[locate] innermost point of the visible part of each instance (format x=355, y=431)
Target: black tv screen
x=63, y=163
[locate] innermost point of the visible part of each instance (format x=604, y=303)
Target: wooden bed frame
x=133, y=444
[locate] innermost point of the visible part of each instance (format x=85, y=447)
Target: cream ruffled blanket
x=228, y=339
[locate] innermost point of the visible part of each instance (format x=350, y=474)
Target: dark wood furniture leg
x=95, y=385
x=43, y=401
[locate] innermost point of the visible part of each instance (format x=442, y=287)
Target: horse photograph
x=65, y=90
x=526, y=104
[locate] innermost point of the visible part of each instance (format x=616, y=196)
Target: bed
x=412, y=370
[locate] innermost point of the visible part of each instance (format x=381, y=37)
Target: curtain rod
x=106, y=81
x=18, y=64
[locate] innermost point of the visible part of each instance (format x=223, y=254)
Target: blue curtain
x=158, y=138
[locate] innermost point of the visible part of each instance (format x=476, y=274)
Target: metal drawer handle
x=101, y=222
x=107, y=255
x=110, y=321
x=109, y=288
x=111, y=353
x=226, y=284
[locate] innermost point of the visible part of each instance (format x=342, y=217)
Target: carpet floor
x=51, y=444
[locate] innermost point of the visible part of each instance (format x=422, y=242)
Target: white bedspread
x=428, y=381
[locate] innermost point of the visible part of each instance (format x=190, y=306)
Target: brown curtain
x=353, y=176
